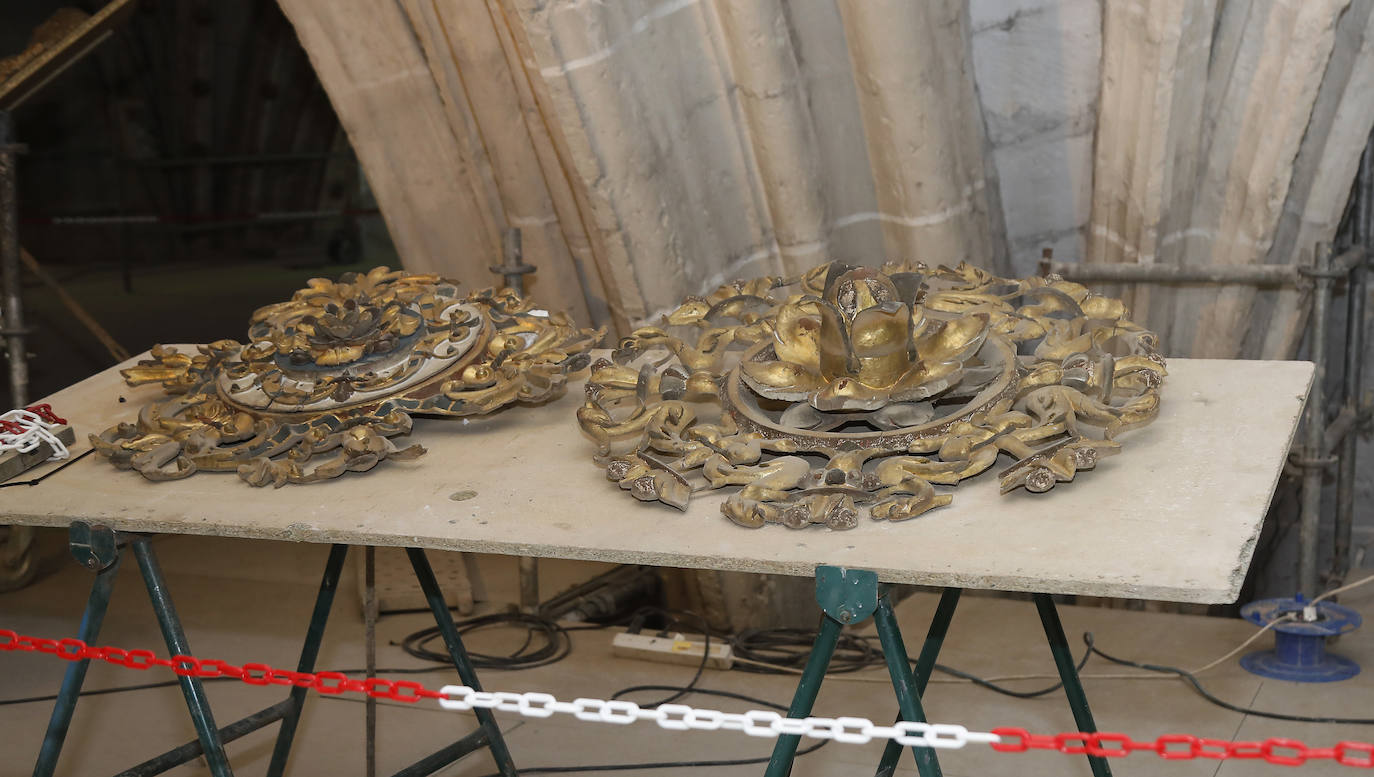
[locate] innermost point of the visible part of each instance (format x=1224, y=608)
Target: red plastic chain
x=12, y=427
x=1285, y=752
x=190, y=666
x=45, y=412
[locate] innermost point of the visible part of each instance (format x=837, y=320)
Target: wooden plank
x=1174, y=517
x=14, y=463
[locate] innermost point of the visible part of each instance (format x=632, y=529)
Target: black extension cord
x=1204, y=693
x=554, y=642
x=789, y=649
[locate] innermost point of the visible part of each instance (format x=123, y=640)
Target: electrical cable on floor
x=679, y=690
x=784, y=651
x=766, y=651
x=1204, y=693
x=1343, y=589
x=1219, y=659
x=991, y=686
x=99, y=692
x=555, y=643
x=659, y=764
x=1099, y=676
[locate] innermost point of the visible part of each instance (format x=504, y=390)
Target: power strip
x=673, y=649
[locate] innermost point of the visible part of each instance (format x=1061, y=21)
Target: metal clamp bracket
x=1303, y=461
x=1335, y=266
x=1312, y=272
x=847, y=595
x=94, y=547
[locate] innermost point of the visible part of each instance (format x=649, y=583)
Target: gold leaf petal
x=1103, y=308
x=880, y=338
x=848, y=394
x=329, y=357
x=781, y=380
x=956, y=341
x=926, y=380
x=797, y=334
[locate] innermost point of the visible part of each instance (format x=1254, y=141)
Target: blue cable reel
x=1299, y=653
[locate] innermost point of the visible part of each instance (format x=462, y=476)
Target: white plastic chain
x=680, y=717
x=36, y=431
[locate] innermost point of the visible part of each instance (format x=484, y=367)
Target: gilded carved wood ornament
x=856, y=389
x=329, y=377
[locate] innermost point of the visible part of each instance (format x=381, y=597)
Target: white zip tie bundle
x=36, y=431
x=680, y=717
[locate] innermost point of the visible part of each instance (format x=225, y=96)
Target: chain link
x=1275, y=750
x=24, y=430
x=680, y=717
x=45, y=412
x=251, y=673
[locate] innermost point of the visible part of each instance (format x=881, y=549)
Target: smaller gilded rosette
x=329, y=377
x=855, y=390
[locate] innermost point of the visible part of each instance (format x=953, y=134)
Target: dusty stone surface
x=1174, y=517
x=1038, y=68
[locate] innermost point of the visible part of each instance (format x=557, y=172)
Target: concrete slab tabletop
x=1175, y=516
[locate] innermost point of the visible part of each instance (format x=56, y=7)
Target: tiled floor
x=248, y=601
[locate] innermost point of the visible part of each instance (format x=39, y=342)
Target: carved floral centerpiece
x=330, y=376
x=857, y=390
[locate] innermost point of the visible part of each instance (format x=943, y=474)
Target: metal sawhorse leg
x=848, y=597
x=98, y=549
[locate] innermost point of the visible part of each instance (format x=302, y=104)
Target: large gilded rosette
x=855, y=390
x=328, y=378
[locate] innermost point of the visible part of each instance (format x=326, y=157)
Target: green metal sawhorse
x=98, y=548
x=848, y=597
